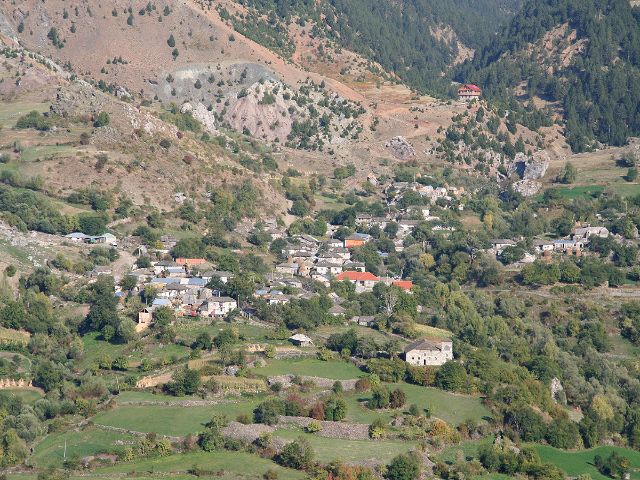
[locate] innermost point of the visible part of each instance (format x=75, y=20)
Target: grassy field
x=452, y=408
x=575, y=463
x=336, y=370
x=248, y=333
x=10, y=112
x=230, y=465
x=27, y=396
x=45, y=152
x=173, y=420
x=145, y=396
x=329, y=449
x=50, y=451
x=95, y=348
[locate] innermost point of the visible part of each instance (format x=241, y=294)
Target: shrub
x=313, y=427
x=102, y=120
x=35, y=120
x=297, y=454
x=268, y=411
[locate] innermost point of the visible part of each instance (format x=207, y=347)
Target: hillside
x=580, y=58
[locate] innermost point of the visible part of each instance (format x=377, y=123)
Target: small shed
x=301, y=340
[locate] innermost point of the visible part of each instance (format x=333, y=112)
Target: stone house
x=429, y=352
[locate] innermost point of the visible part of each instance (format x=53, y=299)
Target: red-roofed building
x=364, y=281
x=469, y=92
x=405, y=285
x=190, y=262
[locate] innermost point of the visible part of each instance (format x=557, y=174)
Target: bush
x=268, y=411
x=102, y=120
x=397, y=398
x=379, y=397
x=403, y=467
x=297, y=454
x=35, y=120
x=451, y=376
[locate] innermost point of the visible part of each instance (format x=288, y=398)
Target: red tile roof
x=403, y=284
x=470, y=86
x=358, y=276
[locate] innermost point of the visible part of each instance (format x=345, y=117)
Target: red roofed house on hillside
x=405, y=285
x=190, y=262
x=364, y=281
x=469, y=92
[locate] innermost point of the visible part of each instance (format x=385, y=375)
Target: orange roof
x=355, y=276
x=190, y=261
x=470, y=86
x=403, y=284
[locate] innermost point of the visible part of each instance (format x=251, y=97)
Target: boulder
x=401, y=148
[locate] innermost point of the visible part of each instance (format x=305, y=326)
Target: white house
x=499, y=244
x=217, y=306
x=542, y=246
x=429, y=352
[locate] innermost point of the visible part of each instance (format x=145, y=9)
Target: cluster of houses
x=324, y=261
x=571, y=245
x=178, y=285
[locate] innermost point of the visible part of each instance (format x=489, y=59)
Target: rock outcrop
x=401, y=148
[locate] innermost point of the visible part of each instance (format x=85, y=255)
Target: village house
x=341, y=252
x=190, y=262
x=364, y=281
x=302, y=256
x=100, y=270
x=499, y=244
x=584, y=233
x=334, y=243
x=337, y=310
x=175, y=272
x=287, y=268
x=541, y=246
x=569, y=247
x=405, y=227
x=217, y=306
x=405, y=285
x=356, y=266
x=380, y=222
x=363, y=220
x=145, y=319
x=356, y=240
x=364, y=320
x=222, y=276
x=429, y=352
x=327, y=268
x=159, y=267
x=469, y=92
x=301, y=340
x=331, y=257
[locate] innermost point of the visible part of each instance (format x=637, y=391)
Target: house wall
x=429, y=357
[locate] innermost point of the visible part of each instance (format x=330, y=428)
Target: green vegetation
x=452, y=408
x=336, y=370
x=329, y=449
x=577, y=463
x=599, y=103
x=172, y=420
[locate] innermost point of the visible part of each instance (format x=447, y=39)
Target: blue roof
x=200, y=282
x=161, y=302
x=165, y=281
